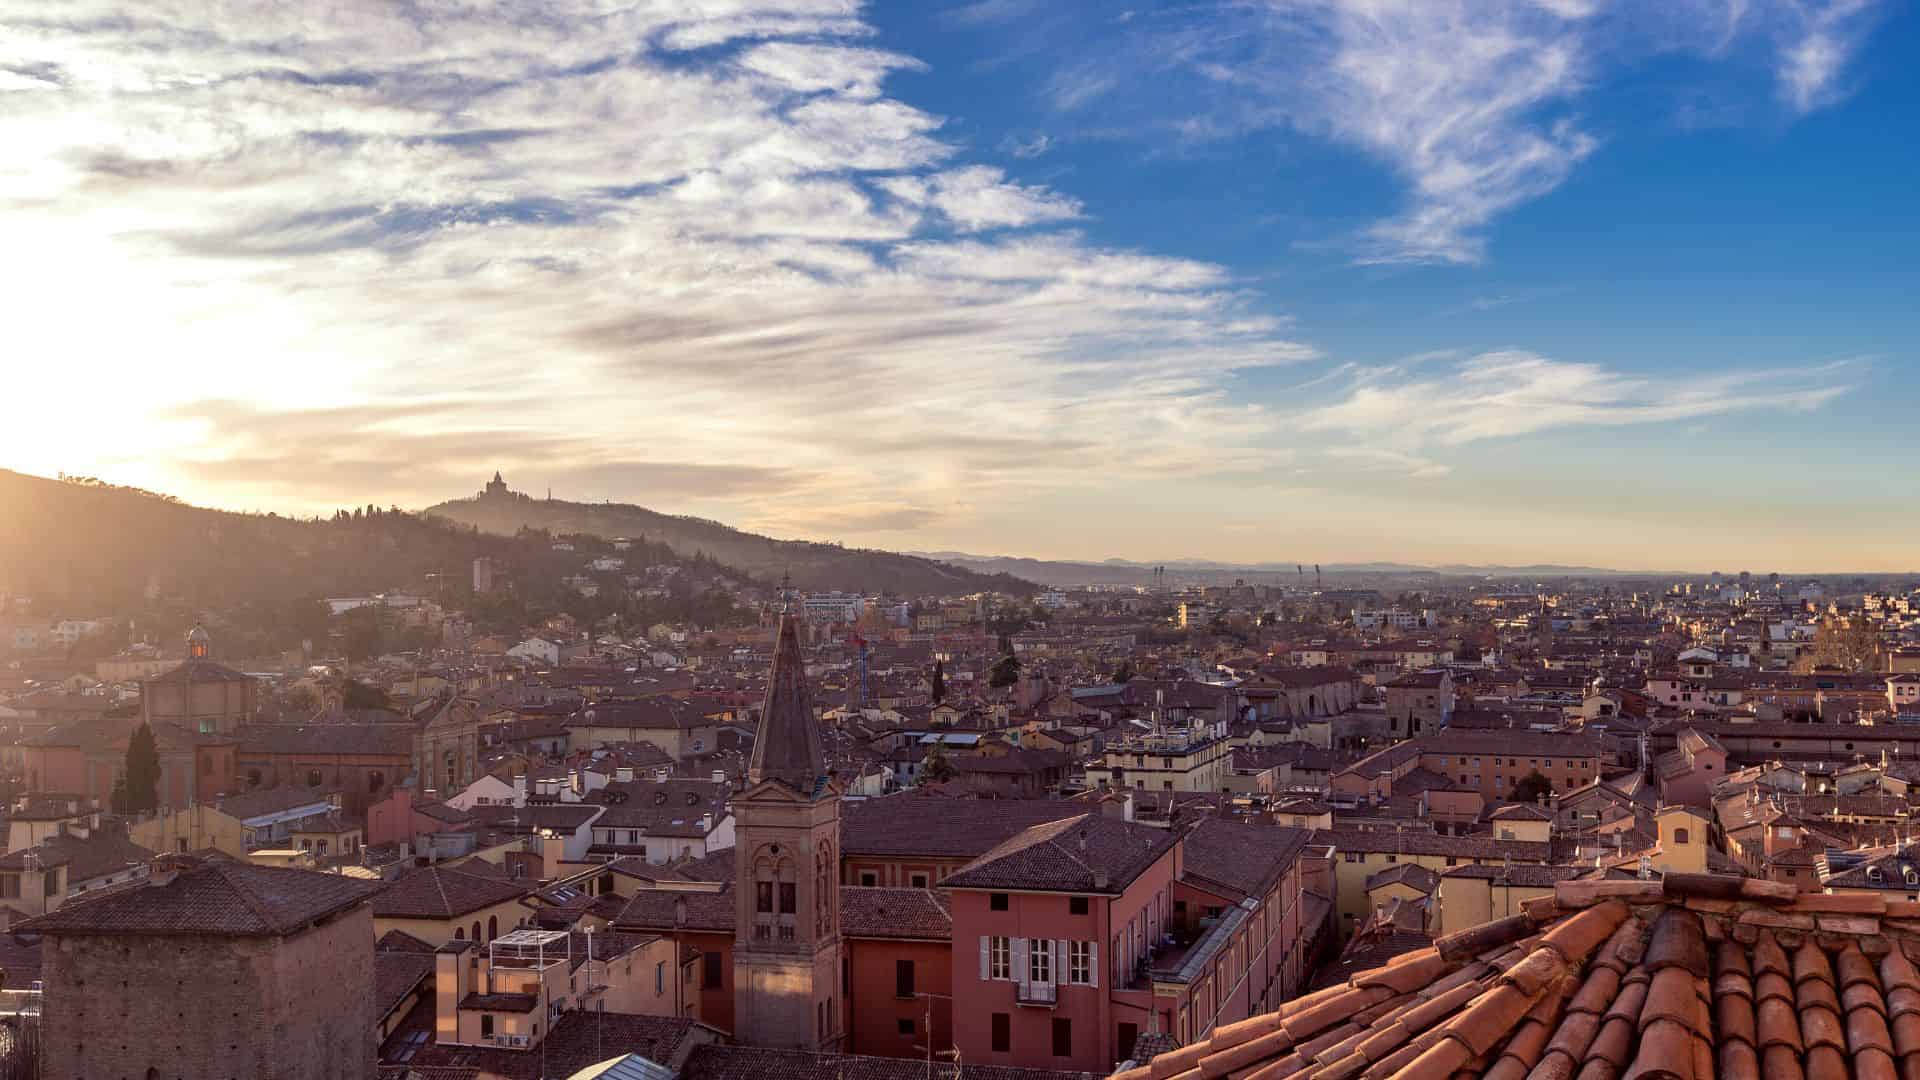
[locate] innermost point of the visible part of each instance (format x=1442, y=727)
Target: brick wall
x=203, y=1008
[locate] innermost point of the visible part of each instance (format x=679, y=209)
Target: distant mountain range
x=1207, y=571
x=812, y=566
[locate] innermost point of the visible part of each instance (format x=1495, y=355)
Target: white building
x=833, y=607
x=537, y=649
x=1381, y=618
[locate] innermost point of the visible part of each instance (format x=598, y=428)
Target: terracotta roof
x=717, y=1062
x=395, y=975
x=1091, y=853
x=883, y=912
x=439, y=892
x=200, y=671
x=1246, y=859
x=659, y=909
x=911, y=824
x=220, y=899
x=1686, y=978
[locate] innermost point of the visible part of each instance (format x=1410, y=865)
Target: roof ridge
x=227, y=873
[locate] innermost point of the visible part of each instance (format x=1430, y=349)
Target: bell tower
x=786, y=946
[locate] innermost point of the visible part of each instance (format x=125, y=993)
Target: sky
x=1620, y=283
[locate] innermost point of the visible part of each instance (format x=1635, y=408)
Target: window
x=1080, y=962
x=999, y=958
x=1062, y=1037
x=1040, y=961
x=906, y=1026
x=997, y=901
x=918, y=881
x=486, y=1025
x=869, y=879
x=1679, y=836
x=710, y=963
x=1002, y=1033
x=789, y=898
x=1076, y=905
x=10, y=885
x=903, y=978
x=313, y=777
x=1129, y=1034
x=660, y=977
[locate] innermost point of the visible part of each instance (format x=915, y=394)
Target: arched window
x=313, y=777
x=493, y=927
x=1679, y=836
x=476, y=930
x=459, y=934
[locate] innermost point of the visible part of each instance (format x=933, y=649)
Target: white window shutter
x=1022, y=973
x=1093, y=963
x=1061, y=974
x=985, y=942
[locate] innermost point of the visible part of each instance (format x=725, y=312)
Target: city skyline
x=1614, y=285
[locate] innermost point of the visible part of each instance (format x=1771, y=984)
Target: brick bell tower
x=786, y=949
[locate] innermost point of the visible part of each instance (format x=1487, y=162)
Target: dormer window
x=1873, y=874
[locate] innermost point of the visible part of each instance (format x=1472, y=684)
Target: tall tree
x=1005, y=673
x=939, y=681
x=143, y=772
x=1531, y=787
x=935, y=768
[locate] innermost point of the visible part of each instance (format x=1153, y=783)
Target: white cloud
x=980, y=197
x=547, y=222
x=1474, y=104
x=1506, y=394
x=1817, y=39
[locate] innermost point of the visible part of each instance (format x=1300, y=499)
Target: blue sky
x=1598, y=281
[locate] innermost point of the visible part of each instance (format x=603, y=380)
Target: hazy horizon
x=1439, y=282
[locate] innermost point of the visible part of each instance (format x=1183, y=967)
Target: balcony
x=1040, y=995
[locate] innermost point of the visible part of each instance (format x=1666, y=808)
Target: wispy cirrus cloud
x=693, y=251
x=1512, y=393
x=1474, y=104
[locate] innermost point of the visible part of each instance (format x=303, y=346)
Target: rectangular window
x=1076, y=905
x=710, y=969
x=1062, y=1037
x=903, y=978
x=486, y=1025
x=763, y=897
x=1002, y=1033
x=1040, y=961
x=660, y=977
x=999, y=958
x=906, y=1026
x=869, y=879
x=918, y=881
x=1080, y=962
x=789, y=898
x=997, y=901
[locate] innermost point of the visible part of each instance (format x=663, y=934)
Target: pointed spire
x=788, y=746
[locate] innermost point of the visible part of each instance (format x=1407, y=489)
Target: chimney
x=679, y=911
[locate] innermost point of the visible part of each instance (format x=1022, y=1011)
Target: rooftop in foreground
x=1687, y=978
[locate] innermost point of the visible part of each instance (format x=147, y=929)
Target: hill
x=84, y=549
x=813, y=566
